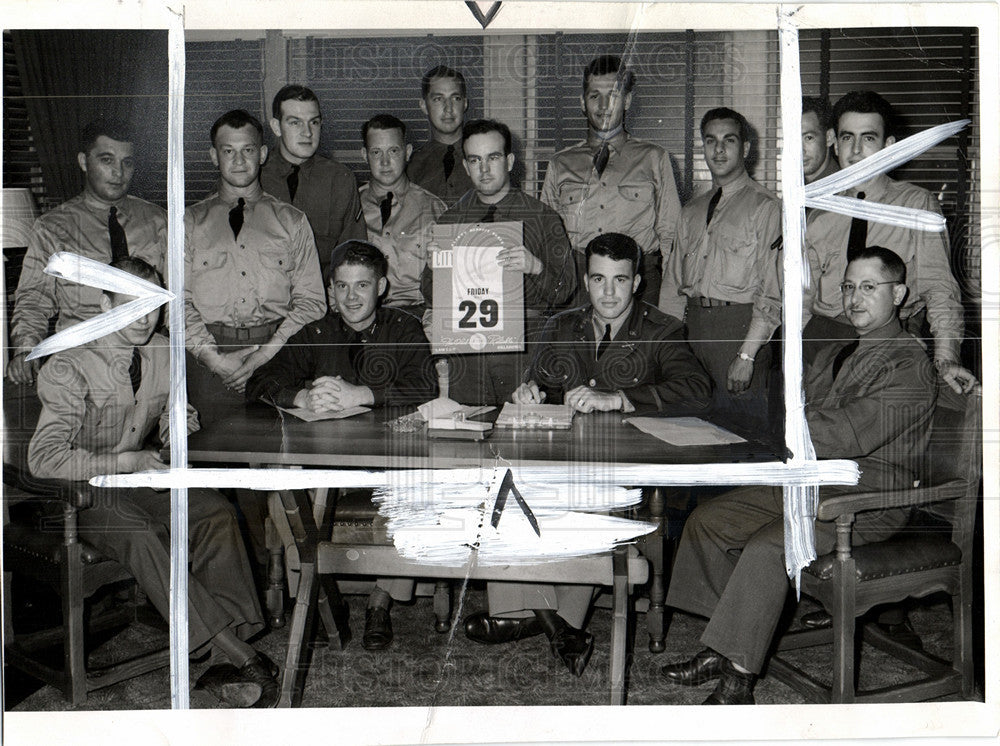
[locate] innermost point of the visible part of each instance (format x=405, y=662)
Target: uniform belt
x=245, y=335
x=712, y=302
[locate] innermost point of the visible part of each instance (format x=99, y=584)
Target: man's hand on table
x=585, y=399
x=528, y=393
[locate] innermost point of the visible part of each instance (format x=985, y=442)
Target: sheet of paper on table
x=309, y=416
x=528, y=416
x=685, y=431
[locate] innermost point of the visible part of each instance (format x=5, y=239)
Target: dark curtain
x=71, y=77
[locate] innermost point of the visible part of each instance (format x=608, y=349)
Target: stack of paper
x=529, y=416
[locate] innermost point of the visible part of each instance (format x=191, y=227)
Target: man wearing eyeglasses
x=543, y=258
x=864, y=124
x=869, y=400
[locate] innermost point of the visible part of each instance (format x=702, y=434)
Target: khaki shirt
x=270, y=273
x=404, y=238
x=926, y=255
x=735, y=258
x=636, y=195
x=79, y=226
x=89, y=413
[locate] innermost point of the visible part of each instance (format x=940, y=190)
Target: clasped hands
x=333, y=394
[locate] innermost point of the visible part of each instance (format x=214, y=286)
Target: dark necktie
x=119, y=244
x=449, y=162
x=605, y=341
x=135, y=370
x=385, y=207
x=236, y=217
x=293, y=183
x=846, y=352
x=712, y=204
x=491, y=214
x=601, y=158
x=858, y=237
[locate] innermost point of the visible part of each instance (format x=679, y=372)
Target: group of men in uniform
x=304, y=291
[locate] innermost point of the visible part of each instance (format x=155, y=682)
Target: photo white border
x=571, y=724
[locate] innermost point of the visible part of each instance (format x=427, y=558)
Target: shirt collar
x=615, y=138
x=888, y=331
x=625, y=320
x=742, y=181
x=102, y=207
x=228, y=195
x=874, y=188
x=377, y=191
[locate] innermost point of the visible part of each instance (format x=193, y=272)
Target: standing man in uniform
x=612, y=182
x=817, y=137
x=723, y=277
x=252, y=280
x=865, y=123
x=437, y=165
x=398, y=213
x=104, y=223
x=543, y=258
x=323, y=189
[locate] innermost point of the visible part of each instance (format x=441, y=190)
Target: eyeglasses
x=867, y=287
x=492, y=159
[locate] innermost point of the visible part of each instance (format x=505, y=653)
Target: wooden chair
x=42, y=545
x=621, y=569
x=922, y=559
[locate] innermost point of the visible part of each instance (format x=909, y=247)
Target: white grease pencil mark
x=795, y=472
x=92, y=273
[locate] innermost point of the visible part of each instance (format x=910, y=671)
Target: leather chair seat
x=46, y=547
x=910, y=551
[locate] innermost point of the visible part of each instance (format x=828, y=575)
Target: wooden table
x=259, y=435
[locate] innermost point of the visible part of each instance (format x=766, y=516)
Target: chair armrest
x=77, y=494
x=843, y=505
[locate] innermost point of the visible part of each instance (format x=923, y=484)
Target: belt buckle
x=705, y=302
x=242, y=334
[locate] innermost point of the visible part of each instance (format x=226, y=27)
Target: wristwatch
x=744, y=356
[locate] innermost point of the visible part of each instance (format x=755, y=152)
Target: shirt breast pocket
x=276, y=267
x=210, y=283
x=637, y=209
x=738, y=252
x=571, y=198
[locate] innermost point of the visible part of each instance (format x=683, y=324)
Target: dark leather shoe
x=262, y=671
x=734, y=687
x=573, y=647
x=816, y=620
x=493, y=630
x=228, y=685
x=378, y=629
x=705, y=666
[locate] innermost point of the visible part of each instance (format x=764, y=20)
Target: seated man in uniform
x=870, y=400
x=100, y=403
x=616, y=354
x=359, y=354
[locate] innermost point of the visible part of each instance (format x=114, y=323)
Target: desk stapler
x=447, y=418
